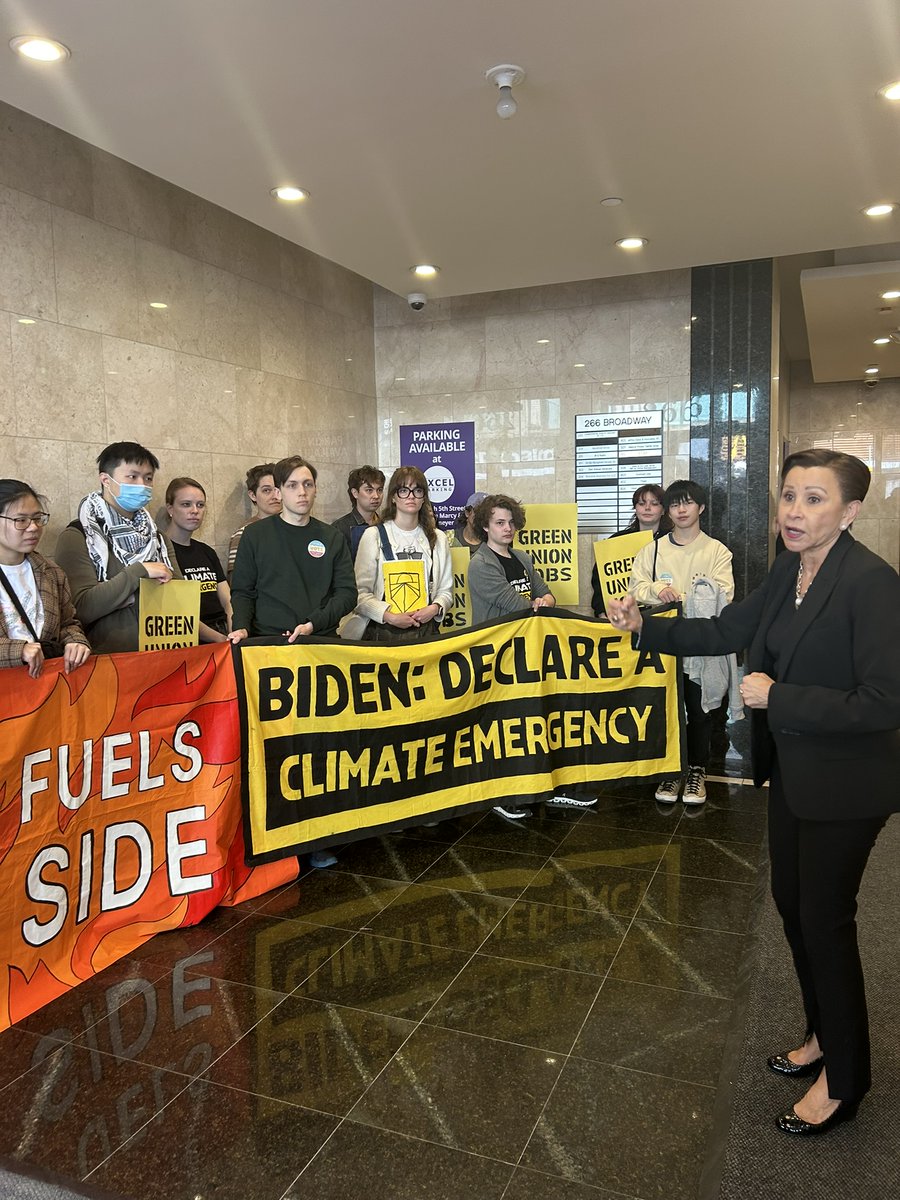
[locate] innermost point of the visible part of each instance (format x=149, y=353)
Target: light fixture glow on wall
x=39, y=49
x=879, y=210
x=890, y=91
x=505, y=77
x=158, y=304
x=631, y=243
x=289, y=193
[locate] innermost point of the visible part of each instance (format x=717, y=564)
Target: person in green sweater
x=293, y=575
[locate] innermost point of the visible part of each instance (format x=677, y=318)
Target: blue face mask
x=132, y=496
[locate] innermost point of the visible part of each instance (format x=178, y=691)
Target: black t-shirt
x=201, y=563
x=516, y=574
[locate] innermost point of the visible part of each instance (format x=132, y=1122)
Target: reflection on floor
x=485, y=1009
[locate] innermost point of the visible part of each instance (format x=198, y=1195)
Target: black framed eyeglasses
x=25, y=519
x=405, y=492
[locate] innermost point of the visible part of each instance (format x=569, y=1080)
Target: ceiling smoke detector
x=505, y=77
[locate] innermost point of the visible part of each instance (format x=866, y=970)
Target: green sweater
x=285, y=575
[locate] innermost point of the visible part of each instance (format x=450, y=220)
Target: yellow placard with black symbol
x=345, y=739
x=405, y=589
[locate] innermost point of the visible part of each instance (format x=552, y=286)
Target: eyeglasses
x=22, y=522
x=405, y=492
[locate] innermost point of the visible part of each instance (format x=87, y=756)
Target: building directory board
x=614, y=454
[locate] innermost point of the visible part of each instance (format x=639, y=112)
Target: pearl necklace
x=798, y=598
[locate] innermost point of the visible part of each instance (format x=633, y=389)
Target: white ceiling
x=731, y=131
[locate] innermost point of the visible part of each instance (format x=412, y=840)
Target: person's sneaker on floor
x=320, y=859
x=667, y=790
x=512, y=812
x=695, y=787
x=571, y=800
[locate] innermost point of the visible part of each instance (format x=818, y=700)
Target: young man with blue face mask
x=113, y=545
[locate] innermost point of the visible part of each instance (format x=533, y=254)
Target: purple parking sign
x=445, y=454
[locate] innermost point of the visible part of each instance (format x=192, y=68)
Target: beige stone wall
x=482, y=358
x=265, y=349
x=861, y=421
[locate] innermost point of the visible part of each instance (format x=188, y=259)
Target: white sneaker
x=695, y=787
x=561, y=800
x=511, y=811
x=667, y=790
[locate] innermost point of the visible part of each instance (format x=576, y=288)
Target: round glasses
x=22, y=522
x=405, y=492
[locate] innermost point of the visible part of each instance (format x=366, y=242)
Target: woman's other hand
x=625, y=614
x=755, y=689
x=74, y=655
x=33, y=658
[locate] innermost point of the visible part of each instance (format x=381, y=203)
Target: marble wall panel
x=206, y=404
x=96, y=275
x=548, y=418
x=7, y=388
x=44, y=161
x=58, y=380
x=660, y=332
x=26, y=261
x=225, y=240
x=230, y=326
x=484, y=304
x=141, y=402
x=577, y=294
x=519, y=350
x=131, y=199
x=301, y=272
x=283, y=333
x=497, y=416
x=42, y=463
x=345, y=292
x=264, y=406
x=164, y=275
x=397, y=363
x=452, y=356
x=592, y=344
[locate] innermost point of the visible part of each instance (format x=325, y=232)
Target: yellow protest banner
x=346, y=739
x=404, y=585
x=615, y=558
x=460, y=615
x=169, y=614
x=551, y=538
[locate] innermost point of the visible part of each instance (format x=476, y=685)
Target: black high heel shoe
x=782, y=1065
x=789, y=1122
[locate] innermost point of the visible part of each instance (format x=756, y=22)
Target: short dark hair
x=182, y=481
x=256, y=475
x=285, y=467
x=852, y=474
x=685, y=489
x=483, y=511
x=12, y=490
x=125, y=452
x=360, y=475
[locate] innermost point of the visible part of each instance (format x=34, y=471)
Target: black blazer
x=834, y=712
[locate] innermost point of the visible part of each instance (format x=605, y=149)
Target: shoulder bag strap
x=18, y=605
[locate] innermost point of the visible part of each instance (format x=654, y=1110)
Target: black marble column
x=731, y=373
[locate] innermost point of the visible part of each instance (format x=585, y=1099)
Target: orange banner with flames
x=120, y=813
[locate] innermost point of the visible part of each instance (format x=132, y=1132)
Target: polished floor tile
x=645, y=815
x=676, y=956
x=723, y=824
x=596, y=887
x=321, y=1056
x=463, y=1091
x=556, y=936
x=20, y=1051
x=707, y=903
x=179, y=942
x=215, y=1141
x=363, y=1163
x=334, y=898
x=517, y=1002
x=656, y=1029
x=441, y=917
x=738, y=862
x=477, y=869
x=535, y=1185
x=386, y=975
x=623, y=1130
x=389, y=857
x=591, y=841
x=538, y=834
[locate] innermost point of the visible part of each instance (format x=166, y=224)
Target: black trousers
x=817, y=867
x=698, y=725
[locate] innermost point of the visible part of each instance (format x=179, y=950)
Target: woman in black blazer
x=822, y=634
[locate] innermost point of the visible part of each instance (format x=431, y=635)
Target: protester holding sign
x=186, y=506
x=113, y=545
x=37, y=616
x=397, y=605
x=649, y=516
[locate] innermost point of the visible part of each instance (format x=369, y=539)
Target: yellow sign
x=345, y=739
x=404, y=585
x=551, y=538
x=169, y=614
x=615, y=558
x=460, y=615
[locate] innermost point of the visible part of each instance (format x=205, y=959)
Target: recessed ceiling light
x=26, y=321
x=611, y=201
x=425, y=270
x=289, y=193
x=880, y=341
x=890, y=91
x=890, y=295
x=40, y=49
x=871, y=370
x=543, y=341
x=879, y=210
x=158, y=304
x=631, y=243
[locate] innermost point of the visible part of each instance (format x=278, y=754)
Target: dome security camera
x=870, y=383
x=416, y=301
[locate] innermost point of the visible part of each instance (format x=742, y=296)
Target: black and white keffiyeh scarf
x=131, y=539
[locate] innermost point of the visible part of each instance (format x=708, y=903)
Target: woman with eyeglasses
x=37, y=616
x=407, y=532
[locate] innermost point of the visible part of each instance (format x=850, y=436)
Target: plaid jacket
x=60, y=622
